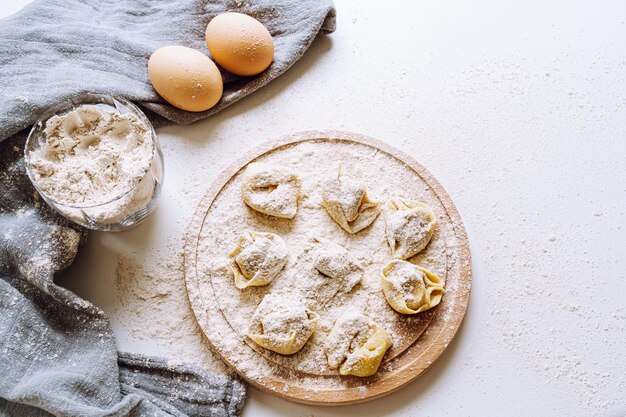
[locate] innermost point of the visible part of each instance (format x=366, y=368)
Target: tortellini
x=409, y=226
x=346, y=200
x=409, y=288
x=336, y=262
x=282, y=325
x=325, y=269
x=271, y=189
x=356, y=345
x=257, y=259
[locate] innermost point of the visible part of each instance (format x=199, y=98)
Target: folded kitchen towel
x=57, y=351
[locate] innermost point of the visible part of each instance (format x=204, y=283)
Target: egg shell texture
x=185, y=78
x=240, y=43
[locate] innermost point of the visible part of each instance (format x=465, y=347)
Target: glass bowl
x=123, y=211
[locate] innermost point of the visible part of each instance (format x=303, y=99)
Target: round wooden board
x=404, y=367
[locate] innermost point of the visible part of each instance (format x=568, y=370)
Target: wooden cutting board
x=423, y=337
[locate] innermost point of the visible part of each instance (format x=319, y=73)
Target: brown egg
x=240, y=43
x=185, y=78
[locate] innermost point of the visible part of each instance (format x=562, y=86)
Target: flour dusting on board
x=227, y=310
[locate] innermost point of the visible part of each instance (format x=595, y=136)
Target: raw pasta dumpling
x=346, y=200
x=336, y=262
x=271, y=189
x=356, y=345
x=282, y=325
x=409, y=226
x=409, y=288
x=257, y=259
x=324, y=270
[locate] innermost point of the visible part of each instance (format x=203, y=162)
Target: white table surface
x=519, y=109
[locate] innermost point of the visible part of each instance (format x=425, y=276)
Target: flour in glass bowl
x=96, y=159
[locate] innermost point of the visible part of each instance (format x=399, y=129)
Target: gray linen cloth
x=57, y=351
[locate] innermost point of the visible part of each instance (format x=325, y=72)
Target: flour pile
x=92, y=157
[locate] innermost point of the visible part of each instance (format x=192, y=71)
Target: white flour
x=153, y=302
x=93, y=155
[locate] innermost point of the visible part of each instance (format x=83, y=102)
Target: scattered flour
x=153, y=303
